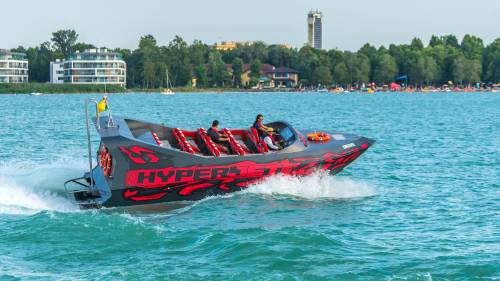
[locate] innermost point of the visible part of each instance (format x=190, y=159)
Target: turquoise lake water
x=422, y=204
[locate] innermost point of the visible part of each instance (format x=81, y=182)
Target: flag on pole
x=102, y=105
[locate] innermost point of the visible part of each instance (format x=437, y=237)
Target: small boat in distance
x=36, y=94
x=168, y=91
x=141, y=163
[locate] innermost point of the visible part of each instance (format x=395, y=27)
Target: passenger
x=265, y=132
x=270, y=143
x=218, y=137
x=262, y=130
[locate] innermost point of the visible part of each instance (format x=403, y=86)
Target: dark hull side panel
x=149, y=184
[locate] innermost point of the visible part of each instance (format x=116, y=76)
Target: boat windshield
x=287, y=134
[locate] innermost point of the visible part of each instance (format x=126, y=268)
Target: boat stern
x=88, y=192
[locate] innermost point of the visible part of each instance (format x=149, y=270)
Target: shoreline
x=243, y=92
x=46, y=88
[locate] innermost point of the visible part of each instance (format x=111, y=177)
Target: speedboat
x=140, y=162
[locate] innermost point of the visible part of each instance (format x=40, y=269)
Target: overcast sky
x=348, y=24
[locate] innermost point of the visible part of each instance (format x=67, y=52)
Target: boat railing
x=89, y=145
x=73, y=188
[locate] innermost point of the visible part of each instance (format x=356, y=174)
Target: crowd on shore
x=393, y=87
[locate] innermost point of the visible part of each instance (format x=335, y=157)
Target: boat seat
x=164, y=143
x=211, y=147
x=243, y=140
x=236, y=146
x=183, y=142
x=157, y=139
x=261, y=145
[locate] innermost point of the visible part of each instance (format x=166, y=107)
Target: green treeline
x=444, y=59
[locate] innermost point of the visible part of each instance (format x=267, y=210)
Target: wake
x=27, y=189
x=316, y=186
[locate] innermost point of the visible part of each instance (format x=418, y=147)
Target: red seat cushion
x=261, y=145
x=183, y=142
x=212, y=148
x=236, y=146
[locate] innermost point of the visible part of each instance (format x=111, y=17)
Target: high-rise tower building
x=314, y=29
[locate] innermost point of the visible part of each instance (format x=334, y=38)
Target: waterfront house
x=13, y=67
x=269, y=76
x=284, y=77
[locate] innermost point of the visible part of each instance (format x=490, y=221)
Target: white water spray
x=316, y=186
x=27, y=189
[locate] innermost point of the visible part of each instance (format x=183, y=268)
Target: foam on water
x=316, y=186
x=28, y=188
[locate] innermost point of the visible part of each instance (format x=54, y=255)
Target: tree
x=473, y=71
x=198, y=53
x=385, y=69
x=427, y=69
x=278, y=55
x=64, y=41
x=466, y=70
x=255, y=67
x=334, y=58
x=19, y=49
x=436, y=41
x=307, y=60
x=416, y=44
x=201, y=73
x=217, y=75
x=472, y=47
x=491, y=62
x=83, y=46
x=341, y=74
x=358, y=67
x=176, y=55
x=322, y=75
x=450, y=40
x=149, y=56
x=447, y=40
x=405, y=58
x=39, y=62
x=237, y=71
x=373, y=55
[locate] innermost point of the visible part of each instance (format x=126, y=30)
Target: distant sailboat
x=168, y=91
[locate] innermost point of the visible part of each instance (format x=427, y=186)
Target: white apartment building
x=95, y=66
x=13, y=67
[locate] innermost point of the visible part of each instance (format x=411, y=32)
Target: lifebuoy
x=319, y=136
x=105, y=161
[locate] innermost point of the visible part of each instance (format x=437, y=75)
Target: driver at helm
x=265, y=132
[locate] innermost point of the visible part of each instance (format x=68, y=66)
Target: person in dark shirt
x=218, y=137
